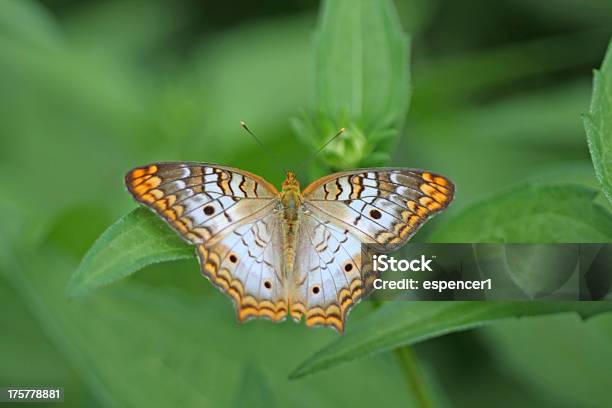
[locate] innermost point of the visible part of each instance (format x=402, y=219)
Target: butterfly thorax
x=291, y=200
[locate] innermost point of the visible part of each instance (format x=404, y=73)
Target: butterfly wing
x=202, y=202
x=229, y=214
x=247, y=265
x=328, y=275
x=384, y=207
x=380, y=206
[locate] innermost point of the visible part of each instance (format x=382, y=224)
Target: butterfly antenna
x=259, y=142
x=314, y=156
x=245, y=127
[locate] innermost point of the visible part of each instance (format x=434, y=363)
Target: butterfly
x=294, y=252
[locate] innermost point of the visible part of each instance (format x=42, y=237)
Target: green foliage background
x=497, y=90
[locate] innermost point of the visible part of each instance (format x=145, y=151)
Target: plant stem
x=414, y=376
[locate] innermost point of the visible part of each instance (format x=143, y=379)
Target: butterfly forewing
x=379, y=206
x=201, y=202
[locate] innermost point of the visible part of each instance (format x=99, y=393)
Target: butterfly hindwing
x=380, y=206
x=247, y=265
x=328, y=275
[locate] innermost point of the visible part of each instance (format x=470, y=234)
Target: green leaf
x=520, y=261
x=400, y=324
x=136, y=240
x=361, y=62
x=598, y=124
x=361, y=82
x=532, y=213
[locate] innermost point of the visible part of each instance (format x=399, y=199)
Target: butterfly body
x=291, y=201
x=294, y=252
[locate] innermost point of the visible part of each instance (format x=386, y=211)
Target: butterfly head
x=290, y=197
x=291, y=183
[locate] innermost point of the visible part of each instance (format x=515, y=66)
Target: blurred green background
x=90, y=89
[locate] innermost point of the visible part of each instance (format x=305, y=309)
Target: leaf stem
x=413, y=373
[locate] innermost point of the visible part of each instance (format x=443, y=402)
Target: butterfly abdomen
x=290, y=233
x=290, y=229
